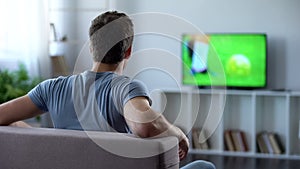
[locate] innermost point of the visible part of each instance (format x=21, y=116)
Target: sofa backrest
x=68, y=149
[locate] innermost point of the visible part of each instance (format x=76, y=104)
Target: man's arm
x=18, y=109
x=145, y=122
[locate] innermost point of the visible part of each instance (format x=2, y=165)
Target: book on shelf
x=276, y=143
x=199, y=138
x=228, y=140
x=269, y=142
x=235, y=140
x=262, y=146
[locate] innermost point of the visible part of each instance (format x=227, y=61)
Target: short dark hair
x=111, y=35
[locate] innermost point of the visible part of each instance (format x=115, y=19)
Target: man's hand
x=20, y=124
x=183, y=148
x=183, y=144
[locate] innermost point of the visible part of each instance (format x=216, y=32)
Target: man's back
x=89, y=101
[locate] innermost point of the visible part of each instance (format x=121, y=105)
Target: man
x=101, y=99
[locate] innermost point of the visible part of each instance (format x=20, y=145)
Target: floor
x=231, y=162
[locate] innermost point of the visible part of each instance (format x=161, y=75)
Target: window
x=23, y=37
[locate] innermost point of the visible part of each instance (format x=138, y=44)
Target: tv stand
x=233, y=88
x=250, y=111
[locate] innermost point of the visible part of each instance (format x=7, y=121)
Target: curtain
x=23, y=34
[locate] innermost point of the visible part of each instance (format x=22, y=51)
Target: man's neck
x=103, y=67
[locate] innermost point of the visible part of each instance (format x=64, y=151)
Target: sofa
x=47, y=148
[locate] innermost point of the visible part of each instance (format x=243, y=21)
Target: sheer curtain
x=24, y=34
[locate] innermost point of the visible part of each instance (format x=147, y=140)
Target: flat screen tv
x=235, y=60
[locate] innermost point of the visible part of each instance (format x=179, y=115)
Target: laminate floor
x=232, y=162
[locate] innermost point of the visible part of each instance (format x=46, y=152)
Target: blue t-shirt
x=88, y=101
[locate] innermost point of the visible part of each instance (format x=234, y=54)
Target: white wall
x=278, y=18
x=72, y=18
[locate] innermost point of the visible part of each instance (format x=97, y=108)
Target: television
x=233, y=60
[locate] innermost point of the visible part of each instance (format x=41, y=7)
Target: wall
x=154, y=52
x=72, y=19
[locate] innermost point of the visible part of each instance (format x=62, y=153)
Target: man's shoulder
x=128, y=81
x=57, y=81
x=136, y=82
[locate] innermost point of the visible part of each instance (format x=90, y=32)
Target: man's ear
x=128, y=53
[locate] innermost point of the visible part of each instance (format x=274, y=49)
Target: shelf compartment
x=207, y=111
x=294, y=133
x=271, y=116
x=238, y=115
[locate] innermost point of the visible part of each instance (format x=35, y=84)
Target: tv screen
x=225, y=59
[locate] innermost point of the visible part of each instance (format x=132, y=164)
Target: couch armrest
x=58, y=148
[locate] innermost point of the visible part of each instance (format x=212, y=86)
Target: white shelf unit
x=251, y=111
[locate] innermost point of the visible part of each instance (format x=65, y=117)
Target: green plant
x=16, y=83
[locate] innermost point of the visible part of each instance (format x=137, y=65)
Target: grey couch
x=41, y=148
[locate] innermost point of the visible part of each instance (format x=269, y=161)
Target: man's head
x=111, y=36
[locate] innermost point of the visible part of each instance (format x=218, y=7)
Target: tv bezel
x=227, y=86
